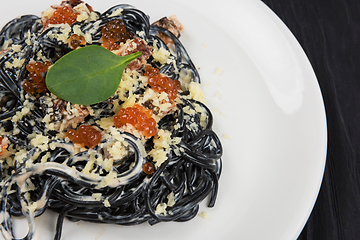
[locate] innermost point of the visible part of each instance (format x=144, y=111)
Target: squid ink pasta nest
x=42, y=168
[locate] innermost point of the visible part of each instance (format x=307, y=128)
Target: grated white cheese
x=16, y=47
x=160, y=55
x=186, y=77
x=196, y=92
x=105, y=123
x=6, y=44
x=115, y=133
x=189, y=110
x=161, y=209
x=203, y=115
x=226, y=136
x=32, y=207
x=89, y=165
x=16, y=63
x=30, y=186
x=117, y=150
x=83, y=12
x=108, y=164
x=65, y=32
x=29, y=163
x=96, y=196
x=140, y=33
x=162, y=146
x=171, y=199
x=45, y=157
x=48, y=12
x=93, y=17
x=106, y=203
x=41, y=142
x=204, y=215
x=117, y=12
x=106, y=181
x=28, y=38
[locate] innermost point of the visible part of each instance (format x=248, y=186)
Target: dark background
x=329, y=33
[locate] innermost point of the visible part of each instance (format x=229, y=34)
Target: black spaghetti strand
x=60, y=220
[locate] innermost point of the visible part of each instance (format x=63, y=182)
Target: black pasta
x=59, y=184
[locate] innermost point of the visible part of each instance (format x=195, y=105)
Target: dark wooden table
x=329, y=32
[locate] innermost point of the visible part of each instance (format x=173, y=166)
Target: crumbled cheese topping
x=16, y=63
x=161, y=209
x=171, y=199
x=29, y=185
x=16, y=48
x=45, y=157
x=48, y=12
x=65, y=30
x=84, y=12
x=196, y=92
x=106, y=203
x=32, y=207
x=6, y=44
x=52, y=145
x=204, y=215
x=117, y=12
x=227, y=136
x=107, y=180
x=19, y=157
x=105, y=123
x=162, y=146
x=186, y=77
x=41, y=142
x=160, y=55
x=97, y=196
x=117, y=150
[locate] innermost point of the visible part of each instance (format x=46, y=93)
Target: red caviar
x=139, y=117
x=62, y=15
x=86, y=134
x=76, y=41
x=113, y=34
x=3, y=145
x=161, y=83
x=35, y=83
x=1, y=148
x=148, y=168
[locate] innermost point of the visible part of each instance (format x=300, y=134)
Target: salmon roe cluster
x=62, y=15
x=76, y=41
x=114, y=33
x=139, y=117
x=86, y=135
x=35, y=83
x=161, y=83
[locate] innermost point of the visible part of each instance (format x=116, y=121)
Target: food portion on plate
x=145, y=153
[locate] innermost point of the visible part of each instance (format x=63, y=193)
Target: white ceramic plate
x=266, y=101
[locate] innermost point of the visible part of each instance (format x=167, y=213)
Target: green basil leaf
x=87, y=75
